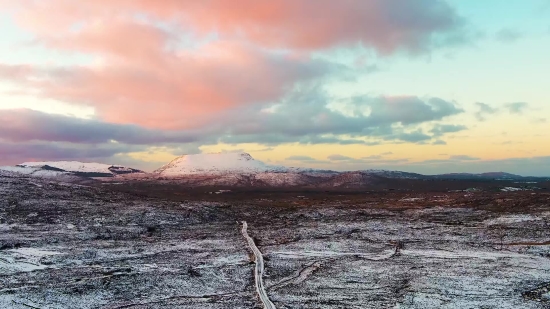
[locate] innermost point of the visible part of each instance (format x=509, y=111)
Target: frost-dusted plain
x=65, y=245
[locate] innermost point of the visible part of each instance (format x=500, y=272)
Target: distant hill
x=241, y=170
x=81, y=169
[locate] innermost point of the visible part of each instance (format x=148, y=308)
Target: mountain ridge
x=83, y=169
x=242, y=170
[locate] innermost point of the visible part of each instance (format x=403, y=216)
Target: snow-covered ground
x=511, y=219
x=23, y=260
x=65, y=246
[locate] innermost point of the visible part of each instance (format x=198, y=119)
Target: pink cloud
x=177, y=91
x=294, y=24
x=149, y=77
x=118, y=40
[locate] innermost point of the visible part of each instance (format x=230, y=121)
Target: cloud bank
x=180, y=74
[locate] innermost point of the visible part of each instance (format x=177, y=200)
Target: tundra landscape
x=73, y=241
x=274, y=154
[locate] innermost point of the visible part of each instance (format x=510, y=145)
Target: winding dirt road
x=258, y=270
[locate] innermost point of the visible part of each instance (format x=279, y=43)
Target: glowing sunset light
x=429, y=86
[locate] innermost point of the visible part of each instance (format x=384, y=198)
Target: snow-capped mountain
x=233, y=169
x=80, y=168
x=241, y=170
x=31, y=171
x=216, y=164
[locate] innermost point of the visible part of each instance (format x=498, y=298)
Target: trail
x=258, y=270
x=300, y=277
x=331, y=254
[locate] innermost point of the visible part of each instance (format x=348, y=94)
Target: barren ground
x=70, y=246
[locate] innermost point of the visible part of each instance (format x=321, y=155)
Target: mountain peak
x=214, y=163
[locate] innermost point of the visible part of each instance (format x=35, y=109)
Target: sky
x=429, y=86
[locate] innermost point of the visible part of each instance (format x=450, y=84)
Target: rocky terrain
x=111, y=245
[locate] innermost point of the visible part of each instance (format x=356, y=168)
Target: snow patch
x=23, y=260
x=411, y=199
x=511, y=189
x=511, y=219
